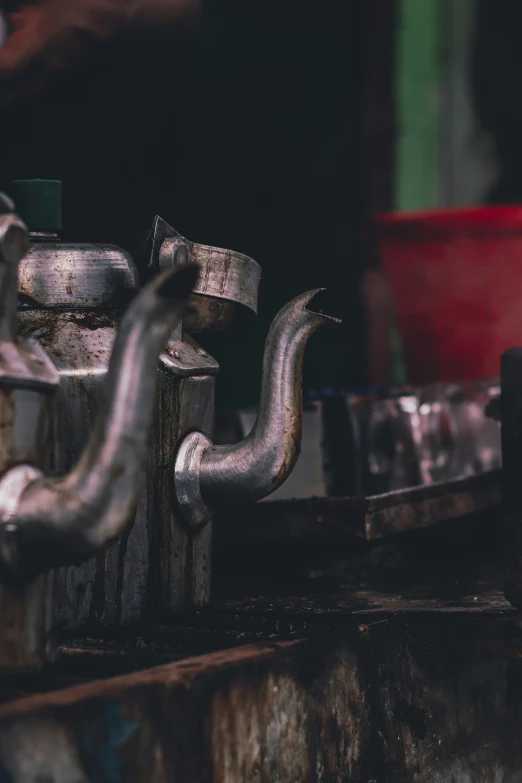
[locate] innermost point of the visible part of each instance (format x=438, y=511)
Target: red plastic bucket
x=456, y=282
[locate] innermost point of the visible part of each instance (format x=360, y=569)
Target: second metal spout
x=259, y=464
x=210, y=476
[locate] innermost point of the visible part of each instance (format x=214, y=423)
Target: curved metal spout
x=52, y=521
x=210, y=476
x=258, y=465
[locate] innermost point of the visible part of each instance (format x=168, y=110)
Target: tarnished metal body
x=51, y=521
x=71, y=297
x=122, y=582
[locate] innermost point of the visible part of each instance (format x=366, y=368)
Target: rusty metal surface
x=368, y=518
x=413, y=677
x=158, y=564
x=80, y=345
x=180, y=565
x=410, y=699
x=116, y=586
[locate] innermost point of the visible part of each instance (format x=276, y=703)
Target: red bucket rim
x=471, y=221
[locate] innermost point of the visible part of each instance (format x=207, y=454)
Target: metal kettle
x=48, y=521
x=195, y=478
x=162, y=565
x=72, y=297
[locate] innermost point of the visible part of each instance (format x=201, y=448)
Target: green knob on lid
x=39, y=203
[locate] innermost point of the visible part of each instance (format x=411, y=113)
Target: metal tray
x=368, y=518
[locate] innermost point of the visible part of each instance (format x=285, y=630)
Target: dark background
x=244, y=130
x=265, y=127
x=497, y=89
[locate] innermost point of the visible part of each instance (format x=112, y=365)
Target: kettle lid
x=71, y=276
